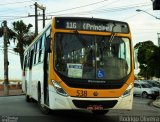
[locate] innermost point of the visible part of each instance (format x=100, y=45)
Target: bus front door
x=46, y=70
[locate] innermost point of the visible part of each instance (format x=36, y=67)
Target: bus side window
x=122, y=54
x=28, y=54
x=31, y=58
x=35, y=53
x=40, y=50
x=48, y=32
x=25, y=63
x=41, y=55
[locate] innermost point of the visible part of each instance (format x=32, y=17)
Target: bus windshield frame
x=72, y=51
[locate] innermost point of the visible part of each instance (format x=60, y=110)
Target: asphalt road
x=15, y=109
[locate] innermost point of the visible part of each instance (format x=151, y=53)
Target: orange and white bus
x=80, y=63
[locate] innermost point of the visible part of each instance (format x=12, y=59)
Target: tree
x=154, y=62
x=21, y=36
x=145, y=52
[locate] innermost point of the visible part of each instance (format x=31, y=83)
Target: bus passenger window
x=42, y=47
x=31, y=59
x=40, y=50
x=35, y=50
x=25, y=63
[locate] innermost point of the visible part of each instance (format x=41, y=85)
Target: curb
x=156, y=103
x=13, y=95
x=17, y=92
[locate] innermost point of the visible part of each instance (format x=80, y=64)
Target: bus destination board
x=91, y=24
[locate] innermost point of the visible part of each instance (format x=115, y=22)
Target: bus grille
x=86, y=103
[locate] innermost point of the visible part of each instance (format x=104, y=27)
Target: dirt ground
x=13, y=90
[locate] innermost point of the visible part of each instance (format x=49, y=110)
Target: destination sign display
x=91, y=24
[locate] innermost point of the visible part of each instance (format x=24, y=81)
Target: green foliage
x=154, y=62
x=1, y=32
x=149, y=58
x=21, y=36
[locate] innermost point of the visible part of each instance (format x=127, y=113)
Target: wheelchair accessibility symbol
x=100, y=73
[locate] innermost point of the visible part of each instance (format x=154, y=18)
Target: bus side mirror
x=47, y=45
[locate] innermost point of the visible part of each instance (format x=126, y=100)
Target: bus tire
x=27, y=98
x=45, y=110
x=100, y=112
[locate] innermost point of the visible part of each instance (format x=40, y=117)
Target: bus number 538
x=81, y=93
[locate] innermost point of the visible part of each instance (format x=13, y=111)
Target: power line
x=16, y=2
x=85, y=12
x=13, y=16
x=20, y=17
x=108, y=4
x=134, y=15
x=15, y=10
x=60, y=10
x=10, y=52
x=13, y=53
x=9, y=19
x=122, y=8
x=77, y=7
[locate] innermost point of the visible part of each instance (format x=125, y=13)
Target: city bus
x=80, y=63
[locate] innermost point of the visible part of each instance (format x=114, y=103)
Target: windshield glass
x=92, y=56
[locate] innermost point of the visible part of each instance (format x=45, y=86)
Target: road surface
x=15, y=109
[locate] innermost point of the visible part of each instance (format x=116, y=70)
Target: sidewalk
x=156, y=103
x=12, y=92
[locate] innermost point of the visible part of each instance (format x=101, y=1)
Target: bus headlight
x=128, y=91
x=59, y=89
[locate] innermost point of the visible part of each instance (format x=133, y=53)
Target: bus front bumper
x=61, y=102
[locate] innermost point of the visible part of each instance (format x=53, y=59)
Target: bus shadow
x=80, y=116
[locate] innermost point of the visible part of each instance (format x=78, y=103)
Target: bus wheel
x=45, y=110
x=100, y=112
x=28, y=99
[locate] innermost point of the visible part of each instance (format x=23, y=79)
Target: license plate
x=95, y=107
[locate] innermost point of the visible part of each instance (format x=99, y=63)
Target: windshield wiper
x=112, y=37
x=112, y=33
x=80, y=38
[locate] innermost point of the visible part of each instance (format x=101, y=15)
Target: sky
x=143, y=26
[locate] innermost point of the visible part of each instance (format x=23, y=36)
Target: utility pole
x=6, y=63
x=156, y=4
x=36, y=17
x=43, y=18
x=36, y=20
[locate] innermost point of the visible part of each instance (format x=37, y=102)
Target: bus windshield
x=92, y=56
